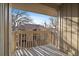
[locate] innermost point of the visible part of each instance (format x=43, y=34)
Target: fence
x=27, y=39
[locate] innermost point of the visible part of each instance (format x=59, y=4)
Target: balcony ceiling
x=52, y=5
x=44, y=8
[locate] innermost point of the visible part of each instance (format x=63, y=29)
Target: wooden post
x=14, y=48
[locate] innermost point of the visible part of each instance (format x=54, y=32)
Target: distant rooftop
x=29, y=26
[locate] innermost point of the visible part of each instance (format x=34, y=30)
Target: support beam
x=4, y=29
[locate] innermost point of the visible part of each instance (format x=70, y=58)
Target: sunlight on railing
x=28, y=39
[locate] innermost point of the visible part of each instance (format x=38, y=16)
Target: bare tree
x=20, y=17
x=45, y=24
x=53, y=22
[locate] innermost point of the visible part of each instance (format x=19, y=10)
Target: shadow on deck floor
x=45, y=50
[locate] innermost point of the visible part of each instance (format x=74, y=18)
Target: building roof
x=29, y=26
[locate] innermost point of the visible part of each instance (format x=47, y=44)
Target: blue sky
x=37, y=18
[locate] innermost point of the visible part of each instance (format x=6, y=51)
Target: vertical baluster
x=37, y=38
x=28, y=39
x=21, y=40
x=29, y=42
x=32, y=39
x=40, y=39
x=25, y=40
x=18, y=41
x=43, y=39
x=15, y=40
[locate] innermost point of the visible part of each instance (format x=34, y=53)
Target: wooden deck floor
x=46, y=50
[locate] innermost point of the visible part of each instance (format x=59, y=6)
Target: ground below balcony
x=45, y=50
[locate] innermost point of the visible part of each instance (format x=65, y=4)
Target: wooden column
x=4, y=29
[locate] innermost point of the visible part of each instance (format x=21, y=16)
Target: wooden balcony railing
x=28, y=39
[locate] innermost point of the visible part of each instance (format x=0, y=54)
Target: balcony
x=44, y=50
x=62, y=39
